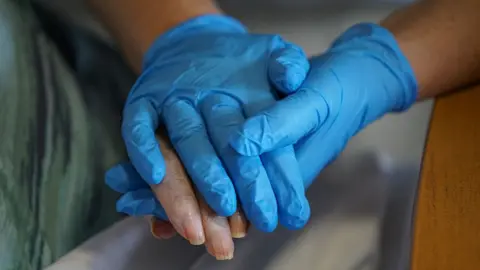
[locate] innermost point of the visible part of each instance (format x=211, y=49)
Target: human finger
x=238, y=224
x=177, y=196
x=219, y=241
x=191, y=141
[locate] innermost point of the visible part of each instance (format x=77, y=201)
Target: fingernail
x=224, y=254
x=220, y=254
x=196, y=241
x=238, y=225
x=223, y=247
x=238, y=235
x=194, y=231
x=225, y=257
x=161, y=230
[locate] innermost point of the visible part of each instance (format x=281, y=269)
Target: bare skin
x=135, y=24
x=188, y=213
x=440, y=39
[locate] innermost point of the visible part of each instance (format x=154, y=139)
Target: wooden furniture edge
x=447, y=215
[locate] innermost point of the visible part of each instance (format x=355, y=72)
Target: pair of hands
x=178, y=208
x=213, y=85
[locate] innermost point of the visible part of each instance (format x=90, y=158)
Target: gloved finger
x=288, y=67
x=161, y=229
x=287, y=183
x=223, y=114
x=327, y=147
x=124, y=178
x=140, y=120
x=217, y=231
x=140, y=203
x=190, y=139
x=285, y=123
x=177, y=197
x=238, y=224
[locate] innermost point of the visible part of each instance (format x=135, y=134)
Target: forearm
x=440, y=39
x=136, y=23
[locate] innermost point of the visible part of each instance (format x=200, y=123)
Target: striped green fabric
x=54, y=149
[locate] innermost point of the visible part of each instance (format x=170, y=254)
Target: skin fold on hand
x=188, y=213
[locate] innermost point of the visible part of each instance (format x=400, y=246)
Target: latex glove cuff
x=379, y=43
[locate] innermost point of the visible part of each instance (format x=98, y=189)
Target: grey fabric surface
x=60, y=121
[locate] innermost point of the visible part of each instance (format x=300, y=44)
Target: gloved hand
x=363, y=76
x=201, y=79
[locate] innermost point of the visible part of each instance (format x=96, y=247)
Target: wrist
x=135, y=24
x=392, y=68
x=201, y=25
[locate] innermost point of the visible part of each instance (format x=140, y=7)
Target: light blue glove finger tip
x=223, y=200
x=128, y=207
x=287, y=183
x=151, y=167
x=112, y=180
x=124, y=178
x=288, y=77
x=288, y=69
x=267, y=227
x=264, y=223
x=226, y=206
x=263, y=215
x=158, y=173
x=140, y=203
x=297, y=218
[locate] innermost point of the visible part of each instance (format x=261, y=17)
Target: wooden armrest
x=447, y=221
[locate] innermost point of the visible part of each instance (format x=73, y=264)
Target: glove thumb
x=288, y=67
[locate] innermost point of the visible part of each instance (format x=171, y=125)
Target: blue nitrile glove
x=201, y=79
x=363, y=76
x=137, y=199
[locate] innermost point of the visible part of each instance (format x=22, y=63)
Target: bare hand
x=188, y=213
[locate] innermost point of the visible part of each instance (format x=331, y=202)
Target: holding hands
x=201, y=80
x=213, y=86
x=178, y=207
x=362, y=77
